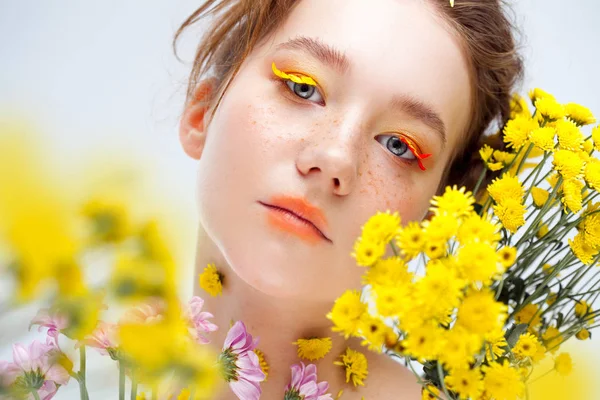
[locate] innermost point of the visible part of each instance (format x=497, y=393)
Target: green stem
x=121, y=381
x=35, y=394
x=133, y=386
x=441, y=375
x=83, y=393
x=479, y=181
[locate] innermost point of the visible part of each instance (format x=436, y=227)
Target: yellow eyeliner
x=294, y=78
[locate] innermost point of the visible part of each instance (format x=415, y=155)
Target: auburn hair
x=483, y=27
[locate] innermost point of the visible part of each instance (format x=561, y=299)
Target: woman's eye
x=305, y=91
x=396, y=146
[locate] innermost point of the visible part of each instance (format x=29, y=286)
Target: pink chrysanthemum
x=103, y=338
x=239, y=363
x=53, y=320
x=35, y=368
x=304, y=386
x=198, y=320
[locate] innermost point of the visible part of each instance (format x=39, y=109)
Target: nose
x=333, y=164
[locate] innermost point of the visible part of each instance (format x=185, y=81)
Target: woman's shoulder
x=388, y=379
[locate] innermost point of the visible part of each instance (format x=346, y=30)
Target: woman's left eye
x=305, y=91
x=396, y=146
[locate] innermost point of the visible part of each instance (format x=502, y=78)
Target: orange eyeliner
x=416, y=152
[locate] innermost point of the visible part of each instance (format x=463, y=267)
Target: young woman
x=306, y=118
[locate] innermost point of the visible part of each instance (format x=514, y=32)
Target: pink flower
x=35, y=368
x=53, y=320
x=103, y=338
x=240, y=366
x=199, y=320
x=304, y=384
x=152, y=311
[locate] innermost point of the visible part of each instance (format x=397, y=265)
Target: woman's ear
x=192, y=128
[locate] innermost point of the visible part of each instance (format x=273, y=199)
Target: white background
x=100, y=76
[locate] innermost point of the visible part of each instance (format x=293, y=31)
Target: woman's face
x=386, y=71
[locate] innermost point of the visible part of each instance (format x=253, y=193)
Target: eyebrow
x=338, y=61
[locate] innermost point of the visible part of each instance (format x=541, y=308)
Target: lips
x=300, y=208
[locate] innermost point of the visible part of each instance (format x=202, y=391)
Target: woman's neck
x=276, y=322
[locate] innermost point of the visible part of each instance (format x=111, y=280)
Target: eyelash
x=284, y=78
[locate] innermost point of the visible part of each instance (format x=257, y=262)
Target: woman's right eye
x=305, y=91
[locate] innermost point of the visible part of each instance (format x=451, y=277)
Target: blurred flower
x=34, y=368
x=381, y=227
x=501, y=381
x=466, y=382
x=198, y=319
x=103, y=338
x=51, y=319
x=346, y=313
x=563, y=364
x=304, y=386
x=239, y=364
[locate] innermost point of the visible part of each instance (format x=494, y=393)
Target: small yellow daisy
x=313, y=348
x=211, y=280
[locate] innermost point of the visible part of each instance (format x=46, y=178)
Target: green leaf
x=512, y=335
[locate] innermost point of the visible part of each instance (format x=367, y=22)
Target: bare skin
x=332, y=149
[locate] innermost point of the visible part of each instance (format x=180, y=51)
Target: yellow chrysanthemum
x=511, y=214
x=538, y=93
x=568, y=164
x=262, y=361
x=440, y=289
x=592, y=173
x=503, y=382
x=506, y=187
x=455, y=202
x=584, y=252
x=368, y=250
x=516, y=131
x=530, y=315
x=596, y=137
x=569, y=135
x=313, y=348
x=440, y=228
x=503, y=157
x=485, y=152
x=476, y=228
x=549, y=108
x=435, y=249
x=507, y=255
x=583, y=334
x=411, y=240
x=481, y=313
x=548, y=269
x=572, y=197
x=466, y=382
x=346, y=313
x=390, y=301
x=582, y=308
x=478, y=262
x=374, y=332
x=459, y=348
x=551, y=299
x=381, y=227
x=389, y=272
x=580, y=114
x=552, y=179
x=526, y=346
x=211, y=280
x=355, y=364
x=552, y=339
x=543, y=138
x=563, y=364
x=591, y=229
x=542, y=231
x=588, y=146
x=540, y=196
x=496, y=345
x=424, y=342
x=430, y=392
x=518, y=106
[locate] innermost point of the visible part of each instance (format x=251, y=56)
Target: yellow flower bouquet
x=492, y=282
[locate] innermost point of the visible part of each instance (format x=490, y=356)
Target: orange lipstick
x=297, y=216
